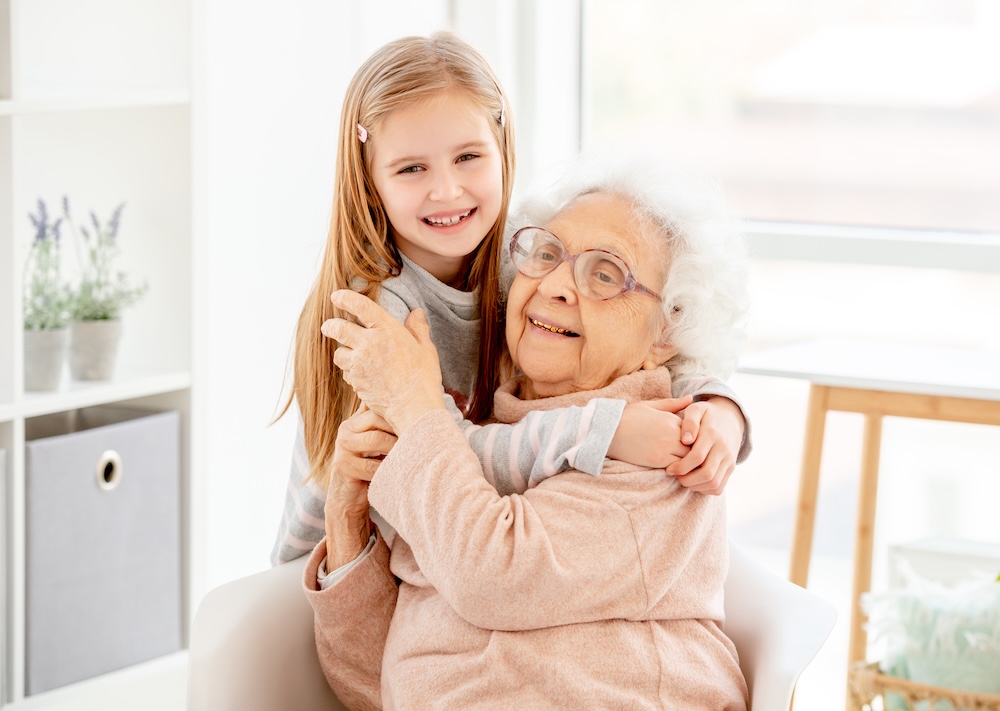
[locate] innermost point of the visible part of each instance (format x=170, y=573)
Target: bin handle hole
x=109, y=470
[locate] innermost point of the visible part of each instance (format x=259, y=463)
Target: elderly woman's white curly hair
x=705, y=297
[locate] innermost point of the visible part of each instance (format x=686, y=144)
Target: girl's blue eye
x=411, y=169
x=466, y=156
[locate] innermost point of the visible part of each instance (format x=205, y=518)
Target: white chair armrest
x=253, y=647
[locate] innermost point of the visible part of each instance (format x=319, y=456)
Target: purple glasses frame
x=630, y=281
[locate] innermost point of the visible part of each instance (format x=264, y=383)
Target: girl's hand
x=393, y=367
x=363, y=440
x=714, y=429
x=649, y=433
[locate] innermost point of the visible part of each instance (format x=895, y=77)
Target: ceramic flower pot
x=44, y=355
x=93, y=348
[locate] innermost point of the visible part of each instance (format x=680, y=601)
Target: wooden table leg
x=864, y=540
x=805, y=514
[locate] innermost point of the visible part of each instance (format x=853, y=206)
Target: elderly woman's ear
x=659, y=353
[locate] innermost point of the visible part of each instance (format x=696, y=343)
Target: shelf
x=157, y=685
x=8, y=412
x=97, y=106
x=119, y=100
x=86, y=394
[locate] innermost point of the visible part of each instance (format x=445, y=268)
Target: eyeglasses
x=598, y=274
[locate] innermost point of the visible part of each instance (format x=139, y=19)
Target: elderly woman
x=582, y=592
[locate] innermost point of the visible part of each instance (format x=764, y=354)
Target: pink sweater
x=580, y=593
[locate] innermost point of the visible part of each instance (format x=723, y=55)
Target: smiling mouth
x=449, y=221
x=553, y=329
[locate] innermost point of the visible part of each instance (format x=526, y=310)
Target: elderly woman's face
x=564, y=342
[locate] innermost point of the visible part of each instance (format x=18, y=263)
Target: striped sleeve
x=302, y=525
x=516, y=457
x=702, y=387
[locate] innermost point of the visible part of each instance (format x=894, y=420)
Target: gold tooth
x=551, y=329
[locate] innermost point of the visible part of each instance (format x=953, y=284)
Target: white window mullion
x=535, y=49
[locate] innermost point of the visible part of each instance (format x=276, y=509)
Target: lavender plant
x=47, y=298
x=102, y=292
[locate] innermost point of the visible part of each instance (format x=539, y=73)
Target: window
x=881, y=113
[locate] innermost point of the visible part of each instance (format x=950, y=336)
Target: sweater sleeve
x=521, y=561
x=352, y=623
x=516, y=457
x=301, y=526
x=702, y=387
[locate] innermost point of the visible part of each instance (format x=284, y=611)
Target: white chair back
x=777, y=628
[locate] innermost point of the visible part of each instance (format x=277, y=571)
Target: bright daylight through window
x=855, y=112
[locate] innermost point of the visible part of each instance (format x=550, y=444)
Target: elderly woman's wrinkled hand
x=363, y=440
x=393, y=368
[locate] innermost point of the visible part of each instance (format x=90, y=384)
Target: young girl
x=423, y=182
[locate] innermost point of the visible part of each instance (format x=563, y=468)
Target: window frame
x=549, y=105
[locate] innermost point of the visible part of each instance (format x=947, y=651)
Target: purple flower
x=55, y=229
x=66, y=205
x=41, y=223
x=86, y=235
x=97, y=225
x=115, y=219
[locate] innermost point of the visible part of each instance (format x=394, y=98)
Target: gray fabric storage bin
x=103, y=558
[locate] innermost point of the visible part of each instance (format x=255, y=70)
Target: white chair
x=252, y=644
x=253, y=647
x=777, y=628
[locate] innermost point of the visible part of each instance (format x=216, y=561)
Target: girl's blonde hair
x=360, y=249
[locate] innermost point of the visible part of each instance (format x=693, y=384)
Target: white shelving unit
x=95, y=104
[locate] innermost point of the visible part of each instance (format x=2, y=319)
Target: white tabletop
x=875, y=365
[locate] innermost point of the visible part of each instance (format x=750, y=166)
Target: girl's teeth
x=448, y=221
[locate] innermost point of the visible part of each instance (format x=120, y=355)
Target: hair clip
x=503, y=113
x=362, y=133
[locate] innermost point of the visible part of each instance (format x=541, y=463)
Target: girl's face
x=437, y=168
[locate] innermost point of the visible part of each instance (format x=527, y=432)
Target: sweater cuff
x=366, y=566
x=328, y=580
x=598, y=435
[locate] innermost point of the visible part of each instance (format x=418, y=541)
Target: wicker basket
x=866, y=687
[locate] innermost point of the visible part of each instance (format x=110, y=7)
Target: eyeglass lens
x=598, y=274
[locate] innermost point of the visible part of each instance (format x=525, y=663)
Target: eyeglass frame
x=631, y=283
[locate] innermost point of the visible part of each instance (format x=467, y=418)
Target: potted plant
x=99, y=298
x=46, y=305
